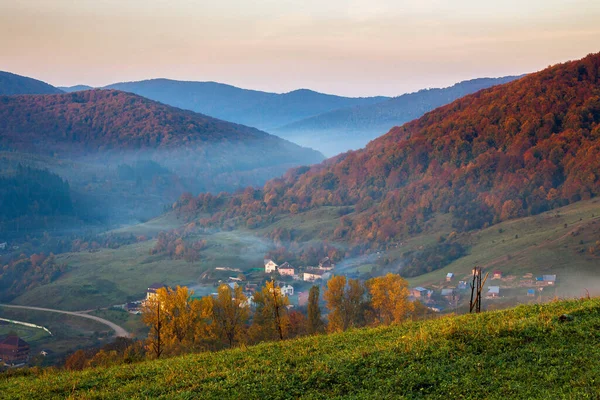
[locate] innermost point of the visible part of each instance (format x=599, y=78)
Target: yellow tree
x=227, y=313
x=271, y=318
x=173, y=318
x=389, y=299
x=346, y=303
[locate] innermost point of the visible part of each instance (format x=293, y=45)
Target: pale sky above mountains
x=355, y=47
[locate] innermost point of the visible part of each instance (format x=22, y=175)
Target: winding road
x=119, y=331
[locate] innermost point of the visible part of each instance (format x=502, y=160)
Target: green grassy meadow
x=554, y=242
x=525, y=352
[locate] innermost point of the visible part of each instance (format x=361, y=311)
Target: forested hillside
x=136, y=155
x=509, y=151
x=33, y=193
x=12, y=84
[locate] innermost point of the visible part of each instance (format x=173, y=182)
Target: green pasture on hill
x=526, y=353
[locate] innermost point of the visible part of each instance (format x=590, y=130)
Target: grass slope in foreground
x=524, y=352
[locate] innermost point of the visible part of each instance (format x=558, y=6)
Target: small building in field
x=493, y=291
x=462, y=285
x=311, y=275
x=3, y=246
x=449, y=276
x=447, y=293
x=270, y=266
x=549, y=279
x=531, y=292
x=46, y=352
x=14, y=351
x=285, y=269
x=287, y=290
x=497, y=274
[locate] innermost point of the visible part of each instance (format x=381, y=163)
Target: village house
x=531, y=292
x=270, y=266
x=462, y=285
x=449, y=276
x=285, y=269
x=420, y=292
x=3, y=246
x=326, y=264
x=151, y=292
x=14, y=351
x=545, y=280
x=448, y=293
x=497, y=275
x=313, y=274
x=287, y=290
x=493, y=291
x=133, y=307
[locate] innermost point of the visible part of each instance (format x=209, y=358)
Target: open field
x=526, y=352
x=555, y=242
x=115, y=276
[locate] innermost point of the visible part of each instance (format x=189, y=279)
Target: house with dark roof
x=326, y=264
x=151, y=292
x=14, y=351
x=312, y=274
x=285, y=269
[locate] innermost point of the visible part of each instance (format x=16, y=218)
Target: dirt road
x=119, y=331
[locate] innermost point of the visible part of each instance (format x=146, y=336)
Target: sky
x=352, y=48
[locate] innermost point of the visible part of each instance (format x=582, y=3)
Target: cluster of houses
x=306, y=274
x=249, y=289
x=432, y=297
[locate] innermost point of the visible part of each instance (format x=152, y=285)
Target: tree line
x=179, y=323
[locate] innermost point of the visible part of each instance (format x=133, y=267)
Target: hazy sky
x=355, y=47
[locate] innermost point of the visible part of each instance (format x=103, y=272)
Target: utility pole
x=157, y=328
x=476, y=288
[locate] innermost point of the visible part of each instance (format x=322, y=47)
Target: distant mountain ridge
x=352, y=128
x=13, y=84
x=76, y=88
x=259, y=109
